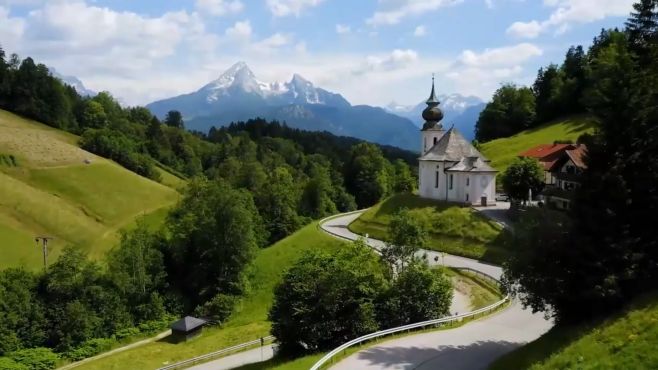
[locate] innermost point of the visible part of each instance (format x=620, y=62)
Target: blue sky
x=371, y=51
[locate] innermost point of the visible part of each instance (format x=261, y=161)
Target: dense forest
x=249, y=185
x=605, y=252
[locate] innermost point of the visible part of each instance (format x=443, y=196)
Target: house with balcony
x=563, y=166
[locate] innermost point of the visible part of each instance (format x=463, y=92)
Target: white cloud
x=342, y=29
x=568, y=12
x=240, y=30
x=480, y=73
x=528, y=30
x=219, y=7
x=11, y=29
x=397, y=59
x=283, y=8
x=392, y=11
x=500, y=56
x=420, y=31
x=271, y=43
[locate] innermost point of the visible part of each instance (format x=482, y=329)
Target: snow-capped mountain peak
x=239, y=79
x=73, y=82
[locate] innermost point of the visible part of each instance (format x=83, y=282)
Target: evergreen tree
x=174, y=119
x=642, y=28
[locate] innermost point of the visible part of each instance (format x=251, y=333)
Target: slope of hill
x=623, y=341
x=237, y=95
x=49, y=186
x=502, y=152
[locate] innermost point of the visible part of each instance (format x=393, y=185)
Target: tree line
x=605, y=252
x=558, y=90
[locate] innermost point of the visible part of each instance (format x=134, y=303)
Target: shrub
x=416, y=294
x=35, y=358
x=327, y=299
x=8, y=364
x=217, y=309
x=90, y=348
x=126, y=333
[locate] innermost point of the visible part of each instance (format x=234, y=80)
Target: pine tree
x=642, y=27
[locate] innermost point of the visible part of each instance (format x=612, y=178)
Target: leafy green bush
x=8, y=364
x=35, y=358
x=153, y=326
x=90, y=348
x=217, y=309
x=127, y=333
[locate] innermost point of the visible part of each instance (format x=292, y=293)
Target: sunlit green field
x=59, y=190
x=502, y=152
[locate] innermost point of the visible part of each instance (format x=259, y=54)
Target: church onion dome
x=432, y=114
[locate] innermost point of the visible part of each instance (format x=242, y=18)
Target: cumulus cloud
x=393, y=11
x=240, y=30
x=397, y=59
x=528, y=30
x=219, y=7
x=271, y=43
x=568, y=12
x=283, y=8
x=342, y=29
x=480, y=73
x=11, y=29
x=420, y=31
x=500, y=56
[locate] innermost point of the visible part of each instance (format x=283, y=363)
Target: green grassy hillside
x=456, y=230
x=502, y=152
x=50, y=186
x=623, y=341
x=249, y=322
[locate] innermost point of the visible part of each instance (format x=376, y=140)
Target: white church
x=450, y=168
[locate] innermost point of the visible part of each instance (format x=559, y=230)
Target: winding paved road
x=472, y=346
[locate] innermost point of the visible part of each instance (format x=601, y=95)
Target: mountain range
x=237, y=95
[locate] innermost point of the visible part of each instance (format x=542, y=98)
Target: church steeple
x=432, y=114
x=432, y=101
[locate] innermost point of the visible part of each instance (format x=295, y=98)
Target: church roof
x=453, y=147
x=471, y=164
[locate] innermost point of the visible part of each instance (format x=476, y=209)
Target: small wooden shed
x=186, y=328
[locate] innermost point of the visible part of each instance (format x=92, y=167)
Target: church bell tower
x=432, y=129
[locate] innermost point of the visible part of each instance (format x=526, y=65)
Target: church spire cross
x=432, y=101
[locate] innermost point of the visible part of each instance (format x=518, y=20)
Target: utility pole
x=44, y=246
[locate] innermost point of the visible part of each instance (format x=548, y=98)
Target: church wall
x=427, y=177
x=479, y=184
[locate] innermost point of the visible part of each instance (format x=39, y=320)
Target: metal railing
x=382, y=333
x=216, y=354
